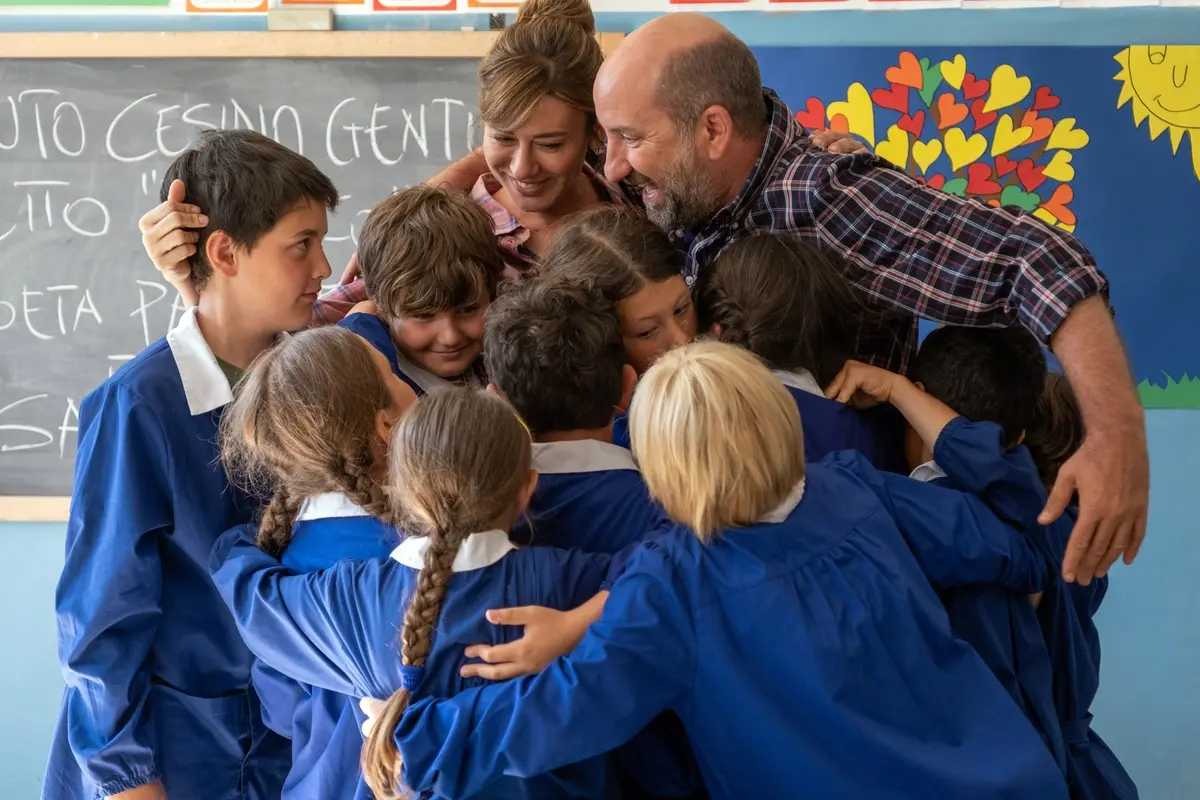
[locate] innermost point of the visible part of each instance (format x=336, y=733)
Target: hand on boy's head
x=350, y=273
x=169, y=235
x=838, y=142
x=862, y=385
x=548, y=635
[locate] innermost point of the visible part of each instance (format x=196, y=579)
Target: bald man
x=718, y=157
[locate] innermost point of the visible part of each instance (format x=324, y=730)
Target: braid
x=381, y=762
x=357, y=483
x=275, y=528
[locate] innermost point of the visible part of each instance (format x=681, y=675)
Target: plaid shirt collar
x=782, y=132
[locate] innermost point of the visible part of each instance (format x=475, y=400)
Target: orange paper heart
x=1042, y=126
x=908, y=73
x=950, y=111
x=1057, y=204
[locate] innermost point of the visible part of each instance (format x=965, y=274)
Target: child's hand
x=838, y=142
x=862, y=385
x=548, y=635
x=351, y=273
x=372, y=708
x=170, y=239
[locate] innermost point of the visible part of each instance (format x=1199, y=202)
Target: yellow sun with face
x=1162, y=84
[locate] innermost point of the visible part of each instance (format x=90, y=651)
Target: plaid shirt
x=510, y=235
x=908, y=248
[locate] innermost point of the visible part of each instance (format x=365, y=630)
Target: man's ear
x=221, y=252
x=715, y=132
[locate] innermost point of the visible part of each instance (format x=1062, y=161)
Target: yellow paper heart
x=963, y=151
x=1046, y=216
x=1008, y=88
x=895, y=147
x=925, y=153
x=1060, y=168
x=1066, y=136
x=858, y=110
x=954, y=71
x=1006, y=137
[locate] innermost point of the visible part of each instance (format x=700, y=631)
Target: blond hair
x=302, y=424
x=551, y=51
x=425, y=249
x=716, y=436
x=459, y=459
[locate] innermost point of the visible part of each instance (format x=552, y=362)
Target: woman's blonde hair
x=459, y=459
x=302, y=424
x=550, y=51
x=716, y=436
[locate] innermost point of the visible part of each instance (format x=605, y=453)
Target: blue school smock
x=807, y=655
x=158, y=679
x=339, y=629
x=589, y=495
x=323, y=725
x=829, y=426
x=375, y=331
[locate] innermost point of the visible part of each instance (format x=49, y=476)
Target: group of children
x=701, y=506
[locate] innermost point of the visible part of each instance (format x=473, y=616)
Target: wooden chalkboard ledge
x=258, y=44
x=34, y=509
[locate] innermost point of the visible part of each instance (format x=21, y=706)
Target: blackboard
x=83, y=145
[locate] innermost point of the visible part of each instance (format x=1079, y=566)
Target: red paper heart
x=950, y=111
x=982, y=118
x=937, y=182
x=973, y=87
x=1044, y=100
x=1057, y=204
x=909, y=73
x=979, y=180
x=813, y=115
x=913, y=124
x=1004, y=165
x=895, y=98
x=1030, y=175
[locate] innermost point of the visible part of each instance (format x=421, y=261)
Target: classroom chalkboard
x=83, y=146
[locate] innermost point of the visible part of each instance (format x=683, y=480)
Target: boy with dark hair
x=159, y=701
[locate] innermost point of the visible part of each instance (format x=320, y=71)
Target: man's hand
x=838, y=142
x=170, y=239
x=1111, y=473
x=149, y=791
x=862, y=385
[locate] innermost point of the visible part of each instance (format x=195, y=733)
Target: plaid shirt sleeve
x=332, y=307
x=931, y=254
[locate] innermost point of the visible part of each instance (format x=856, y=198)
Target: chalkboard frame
x=232, y=44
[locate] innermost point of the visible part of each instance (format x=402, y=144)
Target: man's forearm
x=1090, y=350
x=462, y=174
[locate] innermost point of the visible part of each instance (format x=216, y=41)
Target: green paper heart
x=932, y=80
x=957, y=186
x=1016, y=196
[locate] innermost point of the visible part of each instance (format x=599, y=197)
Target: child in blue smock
x=789, y=303
x=159, y=700
x=788, y=619
x=1045, y=655
x=431, y=265
x=461, y=475
x=325, y=472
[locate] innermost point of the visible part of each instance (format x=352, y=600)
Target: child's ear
x=629, y=380
x=384, y=425
x=494, y=389
x=527, y=489
x=221, y=252
x=716, y=331
x=1020, y=439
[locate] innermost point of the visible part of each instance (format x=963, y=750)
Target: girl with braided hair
x=460, y=477
x=310, y=426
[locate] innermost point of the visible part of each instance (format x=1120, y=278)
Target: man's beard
x=688, y=195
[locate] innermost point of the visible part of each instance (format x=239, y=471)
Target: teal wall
x=1149, y=705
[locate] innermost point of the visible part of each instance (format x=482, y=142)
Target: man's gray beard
x=690, y=197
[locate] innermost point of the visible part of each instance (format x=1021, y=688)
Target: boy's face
x=280, y=277
x=445, y=343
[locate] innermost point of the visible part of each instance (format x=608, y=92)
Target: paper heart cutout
x=1008, y=88
x=974, y=87
x=1031, y=176
x=963, y=151
x=1060, y=168
x=979, y=180
x=895, y=98
x=937, y=181
x=1042, y=126
x=1004, y=165
x=982, y=118
x=812, y=116
x=1005, y=138
x=1057, y=204
x=925, y=153
x=1043, y=100
x=1066, y=136
x=895, y=147
x=907, y=73
x=957, y=186
x=950, y=111
x=1013, y=196
x=954, y=70
x=931, y=79
x=837, y=122
x=858, y=111
x=913, y=124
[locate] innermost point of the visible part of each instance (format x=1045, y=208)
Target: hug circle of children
x=519, y=511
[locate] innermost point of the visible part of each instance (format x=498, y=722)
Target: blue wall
x=1150, y=699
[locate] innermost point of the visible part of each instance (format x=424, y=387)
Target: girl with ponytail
x=309, y=427
x=460, y=477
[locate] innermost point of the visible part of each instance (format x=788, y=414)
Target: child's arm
x=631, y=665
x=462, y=174
x=108, y=602
x=863, y=385
x=311, y=628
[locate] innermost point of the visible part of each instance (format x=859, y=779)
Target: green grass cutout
x=1184, y=393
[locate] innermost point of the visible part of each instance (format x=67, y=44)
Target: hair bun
x=578, y=12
